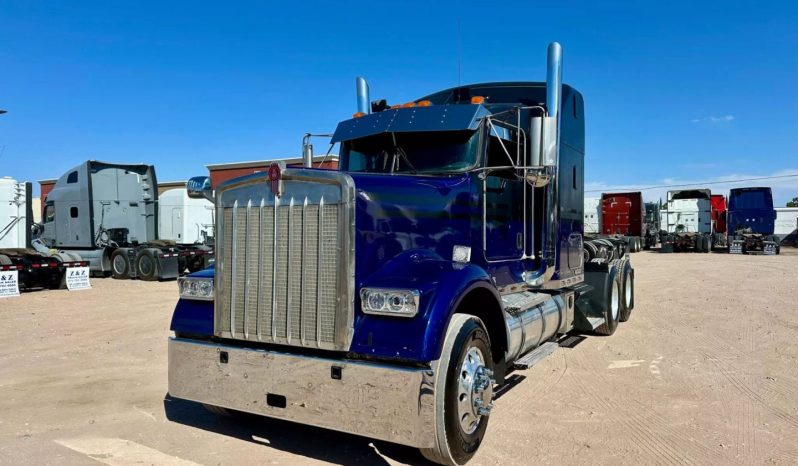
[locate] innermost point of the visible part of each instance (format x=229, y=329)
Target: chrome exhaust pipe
x=550, y=157
x=362, y=89
x=307, y=151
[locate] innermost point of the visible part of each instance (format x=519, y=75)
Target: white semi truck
x=108, y=214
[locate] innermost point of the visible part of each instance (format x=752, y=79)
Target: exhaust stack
x=554, y=82
x=362, y=89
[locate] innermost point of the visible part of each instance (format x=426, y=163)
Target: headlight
x=389, y=302
x=195, y=288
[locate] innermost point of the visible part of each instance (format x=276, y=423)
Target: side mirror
x=543, y=141
x=199, y=187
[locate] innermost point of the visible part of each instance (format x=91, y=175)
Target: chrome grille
x=284, y=271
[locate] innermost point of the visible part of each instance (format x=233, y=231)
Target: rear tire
x=463, y=383
x=612, y=311
x=120, y=264
x=627, y=291
x=147, y=265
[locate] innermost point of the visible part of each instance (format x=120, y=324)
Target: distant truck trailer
x=687, y=222
x=107, y=214
x=35, y=270
x=751, y=221
x=617, y=216
x=786, y=226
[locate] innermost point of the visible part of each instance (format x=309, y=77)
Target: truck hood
x=397, y=213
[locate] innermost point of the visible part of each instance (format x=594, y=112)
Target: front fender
x=442, y=284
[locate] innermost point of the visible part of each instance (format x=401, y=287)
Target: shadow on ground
x=298, y=439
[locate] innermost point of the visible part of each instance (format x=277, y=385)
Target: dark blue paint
x=435, y=118
x=751, y=208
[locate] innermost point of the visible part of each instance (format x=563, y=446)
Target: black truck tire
x=466, y=356
x=120, y=264
x=612, y=311
x=627, y=291
x=147, y=264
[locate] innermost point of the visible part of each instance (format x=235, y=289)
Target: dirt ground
x=705, y=372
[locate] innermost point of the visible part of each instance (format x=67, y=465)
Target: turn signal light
x=424, y=103
x=358, y=115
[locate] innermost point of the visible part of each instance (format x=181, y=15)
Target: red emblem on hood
x=274, y=178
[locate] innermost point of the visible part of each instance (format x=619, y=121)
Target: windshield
x=420, y=152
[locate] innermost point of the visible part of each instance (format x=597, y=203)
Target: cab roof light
x=358, y=114
x=477, y=99
x=395, y=106
x=424, y=103
x=408, y=105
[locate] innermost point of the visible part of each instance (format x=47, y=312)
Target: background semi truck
x=751, y=221
x=107, y=214
x=653, y=227
x=35, y=270
x=687, y=221
x=592, y=216
x=446, y=252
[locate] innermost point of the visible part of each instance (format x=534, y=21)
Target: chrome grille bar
x=246, y=269
x=288, y=274
x=318, y=273
x=302, y=272
x=261, y=230
x=274, y=270
x=233, y=270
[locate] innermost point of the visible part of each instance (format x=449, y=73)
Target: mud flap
x=666, y=247
x=167, y=267
x=736, y=246
x=769, y=248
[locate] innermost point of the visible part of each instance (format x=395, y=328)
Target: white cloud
x=784, y=189
x=714, y=119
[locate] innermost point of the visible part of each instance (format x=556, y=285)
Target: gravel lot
x=705, y=372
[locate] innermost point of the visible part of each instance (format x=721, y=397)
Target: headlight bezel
x=196, y=288
x=406, y=300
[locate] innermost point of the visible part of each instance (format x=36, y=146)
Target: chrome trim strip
x=274, y=269
x=233, y=270
x=288, y=273
x=318, y=273
x=381, y=401
x=246, y=268
x=302, y=272
x=260, y=269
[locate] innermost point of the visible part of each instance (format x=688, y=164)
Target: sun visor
x=412, y=119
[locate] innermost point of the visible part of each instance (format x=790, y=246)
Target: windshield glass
x=750, y=199
x=421, y=152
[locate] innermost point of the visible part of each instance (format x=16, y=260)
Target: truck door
x=503, y=204
x=177, y=225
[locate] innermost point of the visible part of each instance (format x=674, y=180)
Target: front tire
x=463, y=392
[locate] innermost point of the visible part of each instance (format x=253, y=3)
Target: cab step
x=595, y=322
x=536, y=355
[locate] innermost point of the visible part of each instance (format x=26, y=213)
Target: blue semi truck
x=391, y=298
x=751, y=221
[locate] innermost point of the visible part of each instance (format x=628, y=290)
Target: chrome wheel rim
x=474, y=390
x=616, y=302
x=119, y=264
x=628, y=291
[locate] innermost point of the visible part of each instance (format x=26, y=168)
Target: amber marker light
x=424, y=103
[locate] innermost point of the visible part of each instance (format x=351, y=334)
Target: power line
x=700, y=183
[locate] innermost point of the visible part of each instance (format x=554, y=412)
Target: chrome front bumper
x=375, y=400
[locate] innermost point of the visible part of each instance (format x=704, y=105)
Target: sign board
x=9, y=283
x=77, y=278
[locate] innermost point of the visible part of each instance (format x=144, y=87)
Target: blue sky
x=674, y=91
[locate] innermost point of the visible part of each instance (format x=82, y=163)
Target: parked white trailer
x=592, y=215
x=33, y=269
x=185, y=220
x=13, y=214
x=786, y=227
